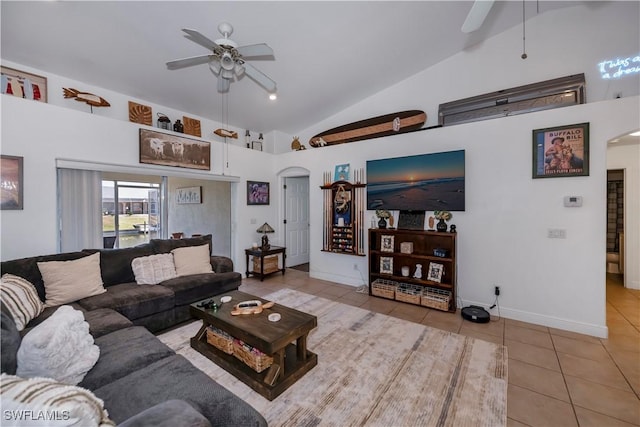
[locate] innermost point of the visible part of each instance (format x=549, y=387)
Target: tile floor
x=556, y=378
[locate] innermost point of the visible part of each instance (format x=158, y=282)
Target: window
x=131, y=213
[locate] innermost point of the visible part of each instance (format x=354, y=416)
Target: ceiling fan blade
x=249, y=51
x=188, y=62
x=223, y=84
x=477, y=15
x=196, y=37
x=259, y=77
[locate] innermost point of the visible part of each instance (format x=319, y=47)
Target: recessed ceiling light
x=273, y=96
x=635, y=133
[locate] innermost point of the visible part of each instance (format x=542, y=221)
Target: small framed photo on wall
x=561, y=151
x=11, y=191
x=257, y=193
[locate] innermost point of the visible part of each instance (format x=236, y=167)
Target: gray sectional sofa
x=141, y=381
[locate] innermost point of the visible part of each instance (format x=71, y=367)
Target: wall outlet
x=557, y=233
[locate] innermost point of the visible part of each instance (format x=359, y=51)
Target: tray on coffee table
x=275, y=339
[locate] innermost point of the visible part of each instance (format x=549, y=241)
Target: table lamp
x=264, y=229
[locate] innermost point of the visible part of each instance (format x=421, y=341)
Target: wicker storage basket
x=409, y=293
x=270, y=264
x=435, y=298
x=252, y=357
x=220, y=339
x=384, y=288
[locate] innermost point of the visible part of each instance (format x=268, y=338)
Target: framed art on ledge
x=189, y=195
x=23, y=85
x=157, y=148
x=11, y=191
x=561, y=151
x=257, y=193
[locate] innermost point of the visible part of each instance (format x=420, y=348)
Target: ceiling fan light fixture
x=273, y=96
x=239, y=69
x=214, y=66
x=226, y=61
x=227, y=74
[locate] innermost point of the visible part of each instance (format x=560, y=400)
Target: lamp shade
x=265, y=228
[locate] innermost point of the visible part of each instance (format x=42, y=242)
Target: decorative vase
x=441, y=226
x=382, y=223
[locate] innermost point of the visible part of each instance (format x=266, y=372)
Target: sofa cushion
x=61, y=347
x=196, y=287
x=122, y=352
x=192, y=260
x=27, y=268
x=164, y=246
x=44, y=395
x=132, y=300
x=171, y=413
x=20, y=298
x=115, y=264
x=157, y=383
x=69, y=281
x=105, y=320
x=9, y=341
x=153, y=269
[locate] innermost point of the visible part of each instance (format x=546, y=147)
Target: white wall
x=627, y=157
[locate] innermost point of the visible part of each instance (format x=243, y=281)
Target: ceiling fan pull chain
x=524, y=53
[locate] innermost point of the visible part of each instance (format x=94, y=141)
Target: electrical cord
x=496, y=303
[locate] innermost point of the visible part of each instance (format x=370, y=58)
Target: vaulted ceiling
x=327, y=55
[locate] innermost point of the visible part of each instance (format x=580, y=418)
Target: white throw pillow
x=21, y=299
x=61, y=347
x=192, y=260
x=44, y=399
x=153, y=269
x=69, y=281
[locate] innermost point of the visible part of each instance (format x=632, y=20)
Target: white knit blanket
x=61, y=348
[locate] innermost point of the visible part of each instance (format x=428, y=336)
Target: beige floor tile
x=535, y=409
x=380, y=305
x=588, y=418
x=603, y=372
x=464, y=330
x=579, y=348
x=541, y=380
x=445, y=326
x=412, y=313
x=604, y=400
x=491, y=328
x=526, y=325
x=528, y=335
x=513, y=423
x=534, y=355
x=574, y=335
x=354, y=298
x=622, y=342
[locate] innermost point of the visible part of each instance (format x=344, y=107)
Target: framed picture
x=411, y=220
x=257, y=193
x=341, y=172
x=11, y=191
x=386, y=243
x=435, y=272
x=561, y=151
x=23, y=85
x=157, y=148
x=189, y=195
x=386, y=265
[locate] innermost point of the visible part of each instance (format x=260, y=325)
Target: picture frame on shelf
x=411, y=220
x=24, y=85
x=341, y=172
x=561, y=151
x=12, y=189
x=386, y=243
x=257, y=193
x=189, y=195
x=256, y=145
x=435, y=272
x=386, y=265
x=157, y=148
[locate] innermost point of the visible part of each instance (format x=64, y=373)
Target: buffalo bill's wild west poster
x=561, y=151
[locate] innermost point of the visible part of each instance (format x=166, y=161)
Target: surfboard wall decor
x=389, y=124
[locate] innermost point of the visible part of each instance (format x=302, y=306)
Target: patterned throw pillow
x=153, y=269
x=37, y=401
x=69, y=281
x=192, y=260
x=21, y=299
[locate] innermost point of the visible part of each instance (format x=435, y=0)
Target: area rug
x=376, y=370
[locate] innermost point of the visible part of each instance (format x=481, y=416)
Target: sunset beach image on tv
x=424, y=182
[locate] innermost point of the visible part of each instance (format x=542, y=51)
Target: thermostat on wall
x=572, y=201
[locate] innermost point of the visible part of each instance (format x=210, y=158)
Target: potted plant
x=442, y=217
x=382, y=215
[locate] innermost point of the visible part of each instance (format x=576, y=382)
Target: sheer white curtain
x=79, y=209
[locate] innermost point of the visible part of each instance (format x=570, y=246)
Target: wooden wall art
x=192, y=126
x=139, y=113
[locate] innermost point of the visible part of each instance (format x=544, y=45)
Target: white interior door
x=297, y=220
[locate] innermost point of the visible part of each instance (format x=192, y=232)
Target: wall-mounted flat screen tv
x=425, y=182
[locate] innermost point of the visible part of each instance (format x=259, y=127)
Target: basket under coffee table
x=274, y=339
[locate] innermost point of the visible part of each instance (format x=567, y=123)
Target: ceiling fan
x=227, y=60
x=477, y=15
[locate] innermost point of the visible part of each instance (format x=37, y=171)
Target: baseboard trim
x=598, y=331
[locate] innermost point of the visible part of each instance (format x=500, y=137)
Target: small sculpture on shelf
x=418, y=273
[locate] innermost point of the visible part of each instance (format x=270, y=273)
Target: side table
x=262, y=254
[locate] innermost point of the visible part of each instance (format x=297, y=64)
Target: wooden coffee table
x=290, y=361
